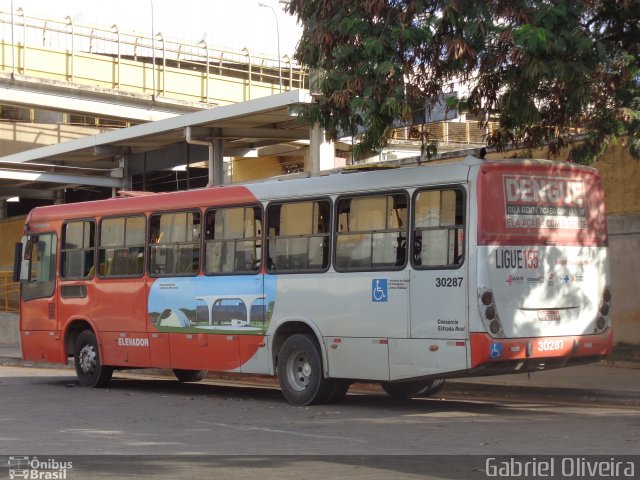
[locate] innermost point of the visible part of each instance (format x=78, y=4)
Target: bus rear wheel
x=406, y=390
x=300, y=373
x=189, y=375
x=434, y=387
x=89, y=368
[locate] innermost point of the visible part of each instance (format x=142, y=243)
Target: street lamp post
x=278, y=35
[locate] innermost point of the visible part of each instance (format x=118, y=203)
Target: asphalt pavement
x=603, y=382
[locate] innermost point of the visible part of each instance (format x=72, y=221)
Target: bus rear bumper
x=537, y=353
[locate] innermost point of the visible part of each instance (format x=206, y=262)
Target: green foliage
x=553, y=73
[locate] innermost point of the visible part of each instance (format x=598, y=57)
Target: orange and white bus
x=405, y=277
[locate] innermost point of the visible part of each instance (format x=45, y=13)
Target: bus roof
x=238, y=194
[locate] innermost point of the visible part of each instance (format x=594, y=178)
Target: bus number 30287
x=449, y=281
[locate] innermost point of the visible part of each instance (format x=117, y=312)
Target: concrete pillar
x=3, y=209
x=59, y=197
x=218, y=159
x=321, y=151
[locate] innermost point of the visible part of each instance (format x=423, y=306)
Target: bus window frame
x=144, y=246
x=377, y=193
x=56, y=279
x=465, y=226
x=203, y=258
x=148, y=243
x=329, y=236
x=63, y=232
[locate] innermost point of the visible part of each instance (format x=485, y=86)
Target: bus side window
x=438, y=235
x=298, y=236
x=78, y=249
x=121, y=248
x=233, y=240
x=174, y=243
x=371, y=233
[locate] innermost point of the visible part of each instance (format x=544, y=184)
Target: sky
x=233, y=24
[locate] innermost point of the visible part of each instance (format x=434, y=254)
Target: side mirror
x=17, y=262
x=24, y=267
x=28, y=249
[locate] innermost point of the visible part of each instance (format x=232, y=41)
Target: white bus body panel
x=410, y=358
x=558, y=294
x=439, y=304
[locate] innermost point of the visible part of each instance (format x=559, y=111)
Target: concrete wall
x=620, y=173
x=9, y=329
x=17, y=137
x=10, y=232
x=624, y=245
x=248, y=169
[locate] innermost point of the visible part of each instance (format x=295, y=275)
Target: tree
x=560, y=73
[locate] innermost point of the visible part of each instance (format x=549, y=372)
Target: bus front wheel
x=300, y=372
x=406, y=390
x=89, y=368
x=189, y=375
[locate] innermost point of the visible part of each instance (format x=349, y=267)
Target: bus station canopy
x=108, y=159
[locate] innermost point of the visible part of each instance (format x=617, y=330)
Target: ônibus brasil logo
x=32, y=468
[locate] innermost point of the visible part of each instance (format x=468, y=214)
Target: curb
x=452, y=387
x=541, y=393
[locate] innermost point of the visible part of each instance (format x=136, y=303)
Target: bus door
x=439, y=282
x=369, y=303
x=40, y=333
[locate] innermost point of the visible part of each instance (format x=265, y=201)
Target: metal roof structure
x=108, y=159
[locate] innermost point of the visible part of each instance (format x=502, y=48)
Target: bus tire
x=300, y=372
x=434, y=387
x=189, y=375
x=405, y=390
x=336, y=391
x=89, y=368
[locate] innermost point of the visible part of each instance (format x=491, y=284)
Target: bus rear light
x=605, y=309
x=487, y=297
x=495, y=327
x=489, y=312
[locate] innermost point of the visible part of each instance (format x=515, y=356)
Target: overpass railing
x=61, y=49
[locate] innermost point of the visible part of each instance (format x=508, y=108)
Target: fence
x=110, y=58
x=9, y=291
x=449, y=133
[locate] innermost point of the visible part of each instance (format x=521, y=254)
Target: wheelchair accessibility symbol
x=379, y=290
x=495, y=350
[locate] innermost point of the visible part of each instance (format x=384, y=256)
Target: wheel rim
x=299, y=371
x=87, y=360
